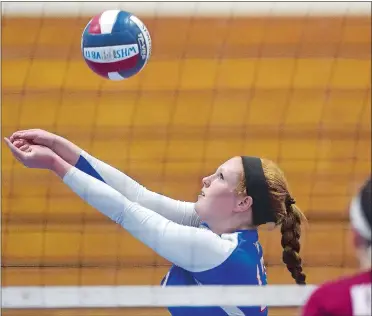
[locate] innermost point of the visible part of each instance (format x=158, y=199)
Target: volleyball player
x=350, y=296
x=213, y=241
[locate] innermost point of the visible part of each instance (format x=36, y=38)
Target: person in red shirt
x=349, y=296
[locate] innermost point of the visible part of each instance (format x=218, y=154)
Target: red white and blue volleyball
x=116, y=44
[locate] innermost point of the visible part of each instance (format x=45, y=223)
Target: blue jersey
x=173, y=229
x=244, y=266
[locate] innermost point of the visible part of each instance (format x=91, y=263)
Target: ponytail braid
x=291, y=233
x=288, y=215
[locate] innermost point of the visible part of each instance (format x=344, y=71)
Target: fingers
x=14, y=136
x=20, y=142
x=25, y=148
x=17, y=153
x=25, y=134
x=22, y=134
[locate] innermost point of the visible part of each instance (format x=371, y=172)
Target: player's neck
x=228, y=227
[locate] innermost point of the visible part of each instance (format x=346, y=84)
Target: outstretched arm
x=194, y=249
x=178, y=211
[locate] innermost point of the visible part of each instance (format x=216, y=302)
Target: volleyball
x=116, y=44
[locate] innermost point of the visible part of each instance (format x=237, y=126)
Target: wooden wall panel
x=292, y=89
x=105, y=244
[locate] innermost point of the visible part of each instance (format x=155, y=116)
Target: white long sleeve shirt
x=177, y=211
x=199, y=256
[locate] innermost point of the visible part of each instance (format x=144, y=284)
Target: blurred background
x=289, y=82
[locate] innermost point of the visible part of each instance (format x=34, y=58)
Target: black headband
x=257, y=188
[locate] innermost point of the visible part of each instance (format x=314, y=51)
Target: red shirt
x=345, y=297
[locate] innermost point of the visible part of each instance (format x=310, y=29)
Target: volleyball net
x=286, y=81
x=154, y=296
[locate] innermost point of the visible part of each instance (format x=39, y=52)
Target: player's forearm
x=60, y=167
x=177, y=211
x=188, y=247
x=67, y=150
x=142, y=223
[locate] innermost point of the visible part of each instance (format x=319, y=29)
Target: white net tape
x=153, y=296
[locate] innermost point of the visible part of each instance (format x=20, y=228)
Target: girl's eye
x=220, y=175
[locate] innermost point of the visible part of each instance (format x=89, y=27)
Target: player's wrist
x=67, y=150
x=55, y=142
x=59, y=166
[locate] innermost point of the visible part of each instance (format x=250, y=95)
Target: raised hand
x=67, y=150
x=31, y=155
x=35, y=136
